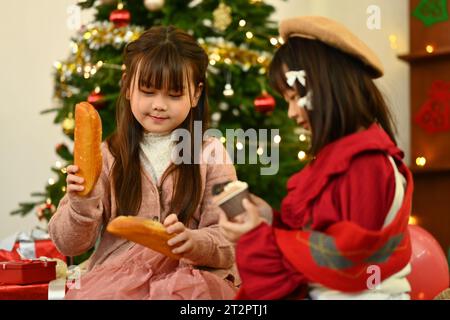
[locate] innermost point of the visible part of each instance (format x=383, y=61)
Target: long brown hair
x=163, y=58
x=344, y=96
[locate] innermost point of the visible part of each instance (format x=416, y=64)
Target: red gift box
x=29, y=292
x=27, y=272
x=39, y=291
x=43, y=248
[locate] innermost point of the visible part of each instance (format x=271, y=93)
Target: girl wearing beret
x=341, y=232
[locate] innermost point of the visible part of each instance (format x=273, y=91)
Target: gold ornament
x=68, y=124
x=223, y=51
x=94, y=37
x=228, y=91
x=222, y=17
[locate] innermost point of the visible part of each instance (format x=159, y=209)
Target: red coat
x=351, y=180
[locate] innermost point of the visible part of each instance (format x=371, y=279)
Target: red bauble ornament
x=434, y=115
x=96, y=99
x=265, y=103
x=120, y=17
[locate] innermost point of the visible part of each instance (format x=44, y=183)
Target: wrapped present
x=24, y=292
x=54, y=290
x=32, y=245
x=27, y=272
x=68, y=278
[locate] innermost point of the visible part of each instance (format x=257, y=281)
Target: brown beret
x=335, y=35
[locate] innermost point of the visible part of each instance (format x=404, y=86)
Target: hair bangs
x=164, y=69
x=277, y=77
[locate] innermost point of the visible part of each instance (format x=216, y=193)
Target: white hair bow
x=300, y=75
x=292, y=76
x=305, y=102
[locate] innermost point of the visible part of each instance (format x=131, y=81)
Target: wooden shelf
x=417, y=171
x=423, y=55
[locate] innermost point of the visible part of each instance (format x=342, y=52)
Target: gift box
x=53, y=290
x=42, y=248
x=27, y=272
x=30, y=245
x=24, y=292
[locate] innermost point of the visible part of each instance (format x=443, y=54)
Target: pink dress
x=119, y=269
x=139, y=273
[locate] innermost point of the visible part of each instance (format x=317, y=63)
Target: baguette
x=149, y=233
x=88, y=139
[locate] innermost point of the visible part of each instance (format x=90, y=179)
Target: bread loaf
x=88, y=139
x=149, y=233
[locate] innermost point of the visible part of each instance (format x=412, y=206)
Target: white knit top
x=157, y=149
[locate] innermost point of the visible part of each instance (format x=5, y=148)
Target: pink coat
x=78, y=223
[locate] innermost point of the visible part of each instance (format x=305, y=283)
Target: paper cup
x=233, y=206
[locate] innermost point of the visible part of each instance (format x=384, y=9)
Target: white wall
x=34, y=34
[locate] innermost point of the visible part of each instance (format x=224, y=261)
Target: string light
x=273, y=41
x=302, y=155
x=260, y=151
x=429, y=48
x=74, y=47
x=223, y=139
x=242, y=23
x=249, y=34
x=228, y=92
x=57, y=65
x=277, y=139
x=215, y=56
x=393, y=41
x=51, y=181
x=302, y=138
x=421, y=161
x=87, y=35
x=58, y=164
x=239, y=146
x=413, y=220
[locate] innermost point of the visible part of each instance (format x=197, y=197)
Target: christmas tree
x=239, y=38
